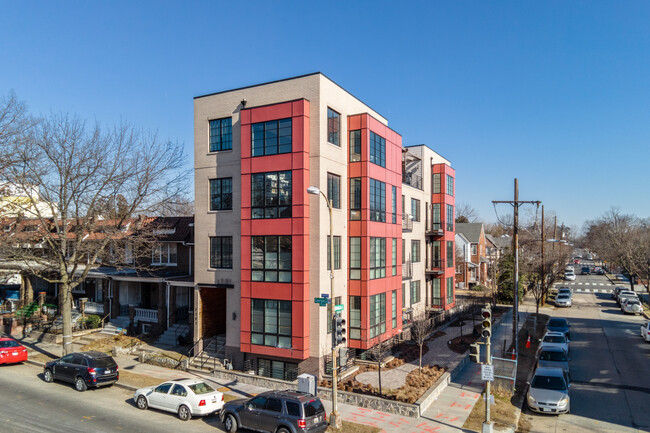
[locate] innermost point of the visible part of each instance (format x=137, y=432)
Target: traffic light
x=475, y=353
x=486, y=315
x=339, y=329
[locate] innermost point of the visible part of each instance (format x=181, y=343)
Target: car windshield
x=564, y=291
x=552, y=356
x=104, y=362
x=313, y=407
x=201, y=388
x=563, y=297
x=9, y=343
x=549, y=382
x=554, y=339
x=557, y=323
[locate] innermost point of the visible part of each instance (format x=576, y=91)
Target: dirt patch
x=106, y=344
x=502, y=412
x=351, y=427
x=138, y=380
x=462, y=343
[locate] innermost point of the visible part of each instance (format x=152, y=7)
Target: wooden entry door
x=213, y=311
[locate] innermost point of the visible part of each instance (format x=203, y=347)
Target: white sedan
x=186, y=397
x=645, y=331
x=555, y=339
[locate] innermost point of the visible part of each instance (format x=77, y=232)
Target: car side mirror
x=527, y=382
x=249, y=406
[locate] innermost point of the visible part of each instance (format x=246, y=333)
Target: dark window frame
x=334, y=190
x=377, y=149
x=260, y=323
x=220, y=134
x=333, y=127
x=263, y=135
x=377, y=256
x=225, y=254
x=356, y=192
x=337, y=253
x=269, y=201
x=377, y=315
x=268, y=272
x=377, y=200
x=221, y=194
x=355, y=317
x=355, y=145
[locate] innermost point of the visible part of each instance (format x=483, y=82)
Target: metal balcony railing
x=407, y=270
x=412, y=179
x=407, y=223
x=436, y=266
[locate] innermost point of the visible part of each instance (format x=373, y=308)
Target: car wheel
x=184, y=413
x=48, y=376
x=80, y=384
x=282, y=430
x=142, y=402
x=230, y=423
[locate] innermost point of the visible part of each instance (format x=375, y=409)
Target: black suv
x=84, y=369
x=276, y=411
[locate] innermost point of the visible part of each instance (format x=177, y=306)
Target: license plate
x=14, y=353
x=214, y=401
x=545, y=409
x=107, y=372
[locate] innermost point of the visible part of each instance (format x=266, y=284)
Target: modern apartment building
x=262, y=242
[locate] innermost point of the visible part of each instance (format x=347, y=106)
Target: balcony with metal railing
x=407, y=270
x=407, y=223
x=412, y=179
x=435, y=266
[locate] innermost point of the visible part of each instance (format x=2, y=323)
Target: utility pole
x=543, y=275
x=515, y=250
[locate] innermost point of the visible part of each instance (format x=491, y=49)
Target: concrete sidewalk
x=447, y=414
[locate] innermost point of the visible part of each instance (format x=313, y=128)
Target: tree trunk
x=379, y=364
x=420, y=358
x=29, y=290
x=65, y=301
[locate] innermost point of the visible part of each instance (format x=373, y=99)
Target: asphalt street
x=610, y=366
x=28, y=404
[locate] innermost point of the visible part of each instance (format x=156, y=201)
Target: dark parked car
x=558, y=324
x=83, y=369
x=277, y=412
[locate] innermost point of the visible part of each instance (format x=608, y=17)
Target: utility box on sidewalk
x=307, y=383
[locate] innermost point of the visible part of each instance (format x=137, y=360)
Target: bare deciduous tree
x=94, y=182
x=420, y=331
x=465, y=213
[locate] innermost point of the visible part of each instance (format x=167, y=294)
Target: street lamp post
x=334, y=416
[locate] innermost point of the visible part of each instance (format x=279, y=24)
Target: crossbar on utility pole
x=515, y=250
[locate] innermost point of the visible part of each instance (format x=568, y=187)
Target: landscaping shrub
x=93, y=321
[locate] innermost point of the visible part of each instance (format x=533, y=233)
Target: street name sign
x=338, y=307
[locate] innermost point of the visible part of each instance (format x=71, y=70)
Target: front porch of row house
x=144, y=305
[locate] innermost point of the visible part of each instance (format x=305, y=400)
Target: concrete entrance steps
x=112, y=327
x=170, y=336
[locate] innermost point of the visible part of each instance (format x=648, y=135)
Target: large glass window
x=270, y=138
x=271, y=323
x=377, y=201
x=220, y=134
x=450, y=290
x=394, y=257
x=355, y=258
x=415, y=250
x=377, y=258
x=271, y=259
x=355, y=317
x=394, y=203
x=164, y=254
x=415, y=292
x=450, y=254
x=355, y=198
x=271, y=195
x=377, y=314
x=334, y=190
x=393, y=308
x=415, y=209
x=333, y=126
x=355, y=146
x=277, y=370
x=377, y=149
x=221, y=193
x=221, y=252
x=437, y=188
x=436, y=216
x=450, y=218
x=450, y=185
x=436, y=297
x=337, y=253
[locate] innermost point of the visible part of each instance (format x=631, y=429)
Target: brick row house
x=262, y=244
x=471, y=241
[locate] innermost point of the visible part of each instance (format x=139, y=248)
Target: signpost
x=487, y=372
x=338, y=307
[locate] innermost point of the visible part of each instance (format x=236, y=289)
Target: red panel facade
x=297, y=226
x=364, y=228
x=449, y=235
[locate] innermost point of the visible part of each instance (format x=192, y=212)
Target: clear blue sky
x=554, y=93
